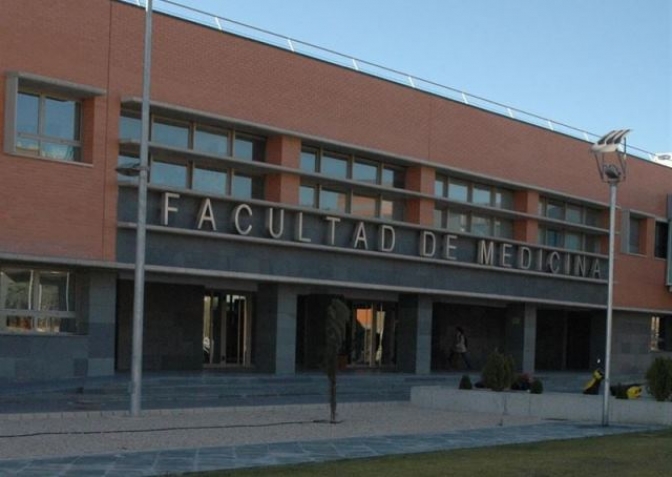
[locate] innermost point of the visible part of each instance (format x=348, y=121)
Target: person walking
x=459, y=348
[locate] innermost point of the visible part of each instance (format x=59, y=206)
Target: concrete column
x=414, y=334
x=100, y=314
x=275, y=334
x=521, y=331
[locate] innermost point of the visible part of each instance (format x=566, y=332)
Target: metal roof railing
x=210, y=20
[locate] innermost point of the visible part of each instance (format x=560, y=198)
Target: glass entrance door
x=227, y=329
x=372, y=334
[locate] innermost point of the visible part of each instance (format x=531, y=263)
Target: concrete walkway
x=173, y=442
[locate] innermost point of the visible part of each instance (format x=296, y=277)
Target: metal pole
x=141, y=225
x=610, y=303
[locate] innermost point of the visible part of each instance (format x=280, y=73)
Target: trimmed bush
x=465, y=382
x=498, y=371
x=536, y=387
x=659, y=379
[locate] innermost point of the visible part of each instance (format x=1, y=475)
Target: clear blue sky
x=597, y=65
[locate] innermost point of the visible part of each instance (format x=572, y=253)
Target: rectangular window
x=242, y=187
x=334, y=166
x=503, y=228
x=481, y=195
x=458, y=222
x=365, y=172
x=168, y=174
x=130, y=163
x=170, y=133
x=363, y=206
x=249, y=148
x=458, y=190
x=47, y=126
x=130, y=126
x=37, y=301
x=503, y=199
x=662, y=232
x=555, y=210
x=574, y=214
x=209, y=181
x=439, y=215
x=307, y=196
x=333, y=200
x=211, y=140
x=392, y=209
x=661, y=333
x=440, y=187
x=573, y=241
x=308, y=160
x=481, y=225
x=634, y=234
x=392, y=177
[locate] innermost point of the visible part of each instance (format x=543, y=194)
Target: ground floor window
x=661, y=333
x=34, y=300
x=227, y=329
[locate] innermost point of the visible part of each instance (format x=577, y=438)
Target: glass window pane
x=168, y=174
x=457, y=222
x=480, y=225
x=573, y=241
x=63, y=152
x=363, y=206
x=27, y=113
x=392, y=209
x=16, y=289
x=440, y=187
x=61, y=119
x=127, y=162
x=241, y=186
x=130, y=127
x=55, y=292
x=308, y=160
x=332, y=200
x=660, y=241
x=209, y=180
x=438, y=218
x=334, y=166
x=307, y=196
x=458, y=191
x=593, y=217
x=365, y=172
x=553, y=238
x=503, y=228
x=211, y=141
x=554, y=210
x=170, y=133
x=503, y=199
x=481, y=195
x=574, y=214
x=392, y=177
x=248, y=148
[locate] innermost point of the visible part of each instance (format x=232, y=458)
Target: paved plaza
x=108, y=442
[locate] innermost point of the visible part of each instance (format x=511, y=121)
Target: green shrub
x=659, y=379
x=465, y=382
x=536, y=387
x=498, y=371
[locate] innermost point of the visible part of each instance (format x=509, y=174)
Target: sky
x=596, y=65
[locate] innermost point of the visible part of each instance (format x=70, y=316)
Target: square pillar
x=414, y=334
x=521, y=334
x=275, y=334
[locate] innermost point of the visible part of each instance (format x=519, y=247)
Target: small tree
x=338, y=315
x=659, y=379
x=498, y=371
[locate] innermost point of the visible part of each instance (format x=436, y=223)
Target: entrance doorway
x=371, y=334
x=370, y=337
x=227, y=329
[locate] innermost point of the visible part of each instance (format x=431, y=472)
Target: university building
x=279, y=180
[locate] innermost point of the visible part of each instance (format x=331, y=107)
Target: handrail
x=210, y=20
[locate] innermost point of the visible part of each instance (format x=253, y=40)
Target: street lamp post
x=612, y=172
x=141, y=224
